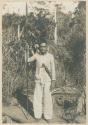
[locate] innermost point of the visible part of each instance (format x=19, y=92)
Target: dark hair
x=42, y=40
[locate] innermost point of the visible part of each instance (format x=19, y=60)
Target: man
x=44, y=79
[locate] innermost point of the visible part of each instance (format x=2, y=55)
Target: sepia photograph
x=44, y=61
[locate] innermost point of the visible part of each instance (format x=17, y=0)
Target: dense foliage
x=69, y=52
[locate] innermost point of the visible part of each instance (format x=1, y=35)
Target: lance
x=27, y=55
x=26, y=68
x=26, y=58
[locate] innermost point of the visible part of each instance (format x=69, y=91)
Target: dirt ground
x=17, y=110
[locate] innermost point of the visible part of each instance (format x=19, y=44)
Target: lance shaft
x=26, y=67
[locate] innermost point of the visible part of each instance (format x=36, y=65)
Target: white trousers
x=42, y=102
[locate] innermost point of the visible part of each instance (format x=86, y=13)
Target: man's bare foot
x=48, y=120
x=37, y=119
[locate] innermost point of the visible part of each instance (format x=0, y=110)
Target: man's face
x=43, y=48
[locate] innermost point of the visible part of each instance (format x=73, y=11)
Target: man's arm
x=53, y=69
x=27, y=58
x=53, y=73
x=31, y=59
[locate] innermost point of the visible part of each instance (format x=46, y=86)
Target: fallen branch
x=15, y=116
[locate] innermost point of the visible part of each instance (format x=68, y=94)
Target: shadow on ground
x=25, y=102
